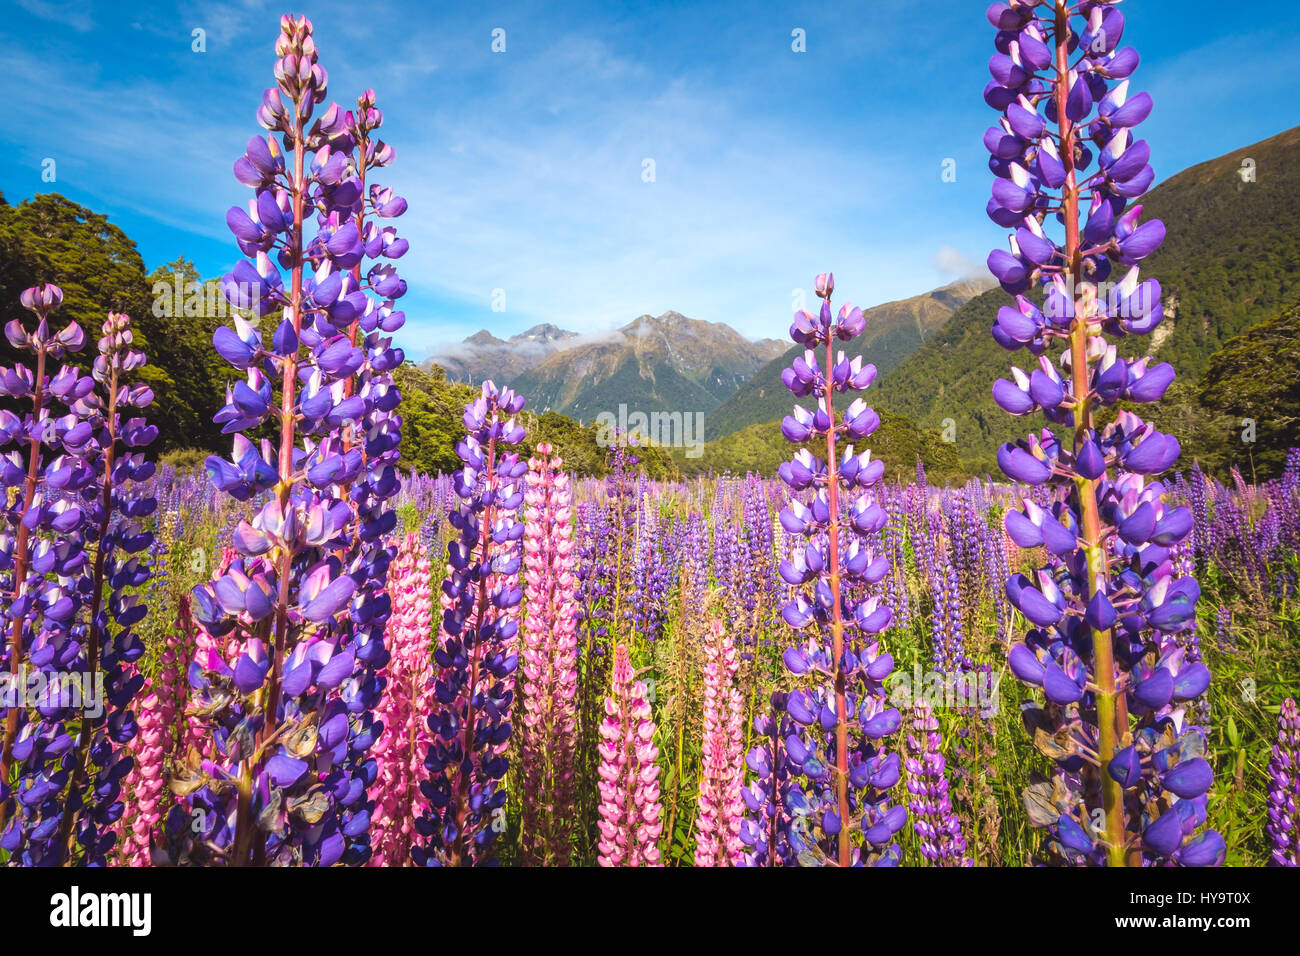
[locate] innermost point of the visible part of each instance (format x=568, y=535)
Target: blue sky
x=523, y=169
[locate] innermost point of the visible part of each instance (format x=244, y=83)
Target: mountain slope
x=1229, y=261
x=664, y=363
x=894, y=331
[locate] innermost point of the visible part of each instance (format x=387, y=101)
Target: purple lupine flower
x=844, y=778
x=1104, y=644
x=1191, y=644
x=761, y=588
x=652, y=573
x=949, y=644
x=695, y=573
x=726, y=559
x=48, y=466
x=897, y=593
x=1198, y=497
x=476, y=654
x=1284, y=788
x=1286, y=502
x=1223, y=627
x=364, y=442
x=933, y=818
x=288, y=717
x=996, y=571
x=772, y=796
x=963, y=524
x=918, y=527
x=99, y=761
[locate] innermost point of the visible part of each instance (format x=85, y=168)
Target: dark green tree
x=431, y=411
x=49, y=238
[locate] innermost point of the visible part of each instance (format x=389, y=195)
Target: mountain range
x=674, y=363
x=654, y=363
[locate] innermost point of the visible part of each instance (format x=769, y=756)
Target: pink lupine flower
x=629, y=776
x=721, y=808
x=144, y=783
x=174, y=691
x=161, y=733
x=399, y=752
x=548, y=735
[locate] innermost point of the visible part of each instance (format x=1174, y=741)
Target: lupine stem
x=288, y=423
x=837, y=623
x=1112, y=717
x=851, y=678
x=20, y=577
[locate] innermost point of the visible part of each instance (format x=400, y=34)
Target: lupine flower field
x=306, y=653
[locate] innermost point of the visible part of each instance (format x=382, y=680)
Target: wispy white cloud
x=955, y=264
x=74, y=14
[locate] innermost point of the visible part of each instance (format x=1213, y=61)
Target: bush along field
x=310, y=653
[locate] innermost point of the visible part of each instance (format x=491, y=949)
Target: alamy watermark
x=76, y=910
x=652, y=429
x=965, y=690
x=35, y=688
x=191, y=298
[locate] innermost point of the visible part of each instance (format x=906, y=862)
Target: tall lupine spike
x=178, y=650
x=896, y=589
x=475, y=656
x=630, y=809
x=722, y=772
x=48, y=463
x=1284, y=788
x=99, y=761
x=949, y=644
x=933, y=819
x=363, y=460
x=408, y=697
x=997, y=568
x=549, y=722
x=1106, y=610
x=289, y=722
x=844, y=715
x=752, y=593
